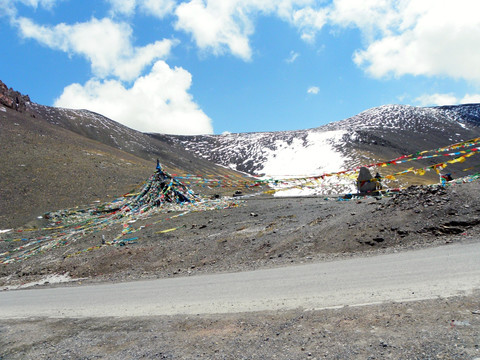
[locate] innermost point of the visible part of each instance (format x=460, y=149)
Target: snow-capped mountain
x=377, y=134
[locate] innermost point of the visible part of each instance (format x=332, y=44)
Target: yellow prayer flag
x=166, y=231
x=460, y=159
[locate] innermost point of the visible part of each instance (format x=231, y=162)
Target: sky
x=218, y=66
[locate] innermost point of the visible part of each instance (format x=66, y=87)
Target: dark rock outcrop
x=13, y=99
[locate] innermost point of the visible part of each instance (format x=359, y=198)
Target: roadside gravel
x=434, y=329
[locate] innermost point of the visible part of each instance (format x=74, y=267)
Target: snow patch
x=313, y=155
x=49, y=279
x=302, y=158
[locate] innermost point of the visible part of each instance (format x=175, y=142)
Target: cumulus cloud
x=426, y=37
x=309, y=21
x=159, y=8
x=157, y=102
x=406, y=37
x=124, y=7
x=400, y=37
x=436, y=99
x=106, y=44
x=217, y=25
x=446, y=99
x=470, y=99
x=372, y=17
x=225, y=26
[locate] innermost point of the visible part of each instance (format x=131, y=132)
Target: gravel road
x=422, y=274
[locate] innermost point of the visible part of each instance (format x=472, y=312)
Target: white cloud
x=8, y=9
x=401, y=37
x=47, y=4
x=447, y=99
x=429, y=37
x=436, y=99
x=218, y=25
x=158, y=8
x=371, y=16
x=157, y=102
x=223, y=26
x=470, y=99
x=309, y=21
x=106, y=44
x=125, y=7
x=293, y=56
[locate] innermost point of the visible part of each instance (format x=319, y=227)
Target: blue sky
x=214, y=66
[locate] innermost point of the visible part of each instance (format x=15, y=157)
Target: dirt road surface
x=423, y=274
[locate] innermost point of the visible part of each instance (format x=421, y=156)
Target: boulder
x=365, y=181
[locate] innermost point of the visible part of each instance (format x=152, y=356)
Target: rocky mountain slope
x=106, y=131
x=375, y=135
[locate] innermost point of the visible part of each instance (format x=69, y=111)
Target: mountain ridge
x=378, y=134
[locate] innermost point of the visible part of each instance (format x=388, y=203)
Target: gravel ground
x=434, y=329
x=259, y=233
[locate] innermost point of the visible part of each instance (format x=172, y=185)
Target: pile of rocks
x=420, y=196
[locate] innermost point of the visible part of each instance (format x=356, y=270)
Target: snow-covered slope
x=378, y=134
x=279, y=153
